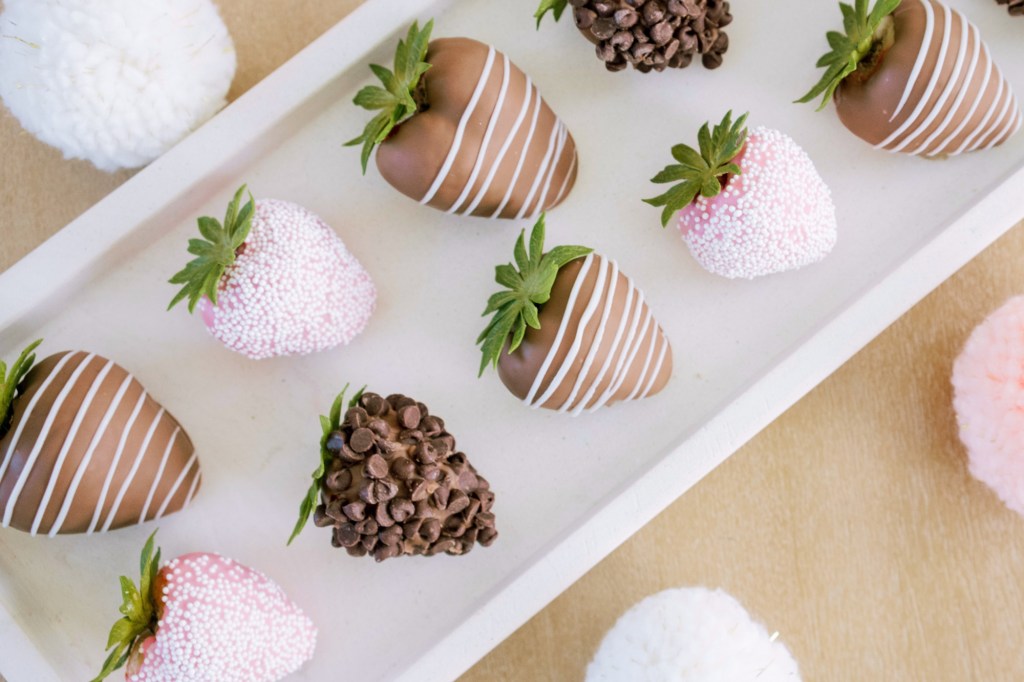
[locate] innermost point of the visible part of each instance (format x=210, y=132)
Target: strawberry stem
x=9, y=381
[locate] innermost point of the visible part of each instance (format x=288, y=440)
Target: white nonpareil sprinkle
x=777, y=215
x=294, y=288
x=224, y=622
x=115, y=82
x=690, y=635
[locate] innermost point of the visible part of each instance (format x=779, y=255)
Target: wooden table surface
x=850, y=525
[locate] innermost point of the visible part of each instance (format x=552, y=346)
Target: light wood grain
x=850, y=525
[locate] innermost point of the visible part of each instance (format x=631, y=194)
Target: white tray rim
x=41, y=274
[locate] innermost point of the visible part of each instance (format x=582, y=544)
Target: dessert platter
x=330, y=322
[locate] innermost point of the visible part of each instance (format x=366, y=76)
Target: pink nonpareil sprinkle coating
x=224, y=622
x=294, y=288
x=988, y=396
x=777, y=215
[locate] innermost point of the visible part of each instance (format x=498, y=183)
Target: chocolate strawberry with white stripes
x=570, y=332
x=914, y=76
x=85, y=449
x=462, y=129
x=205, y=618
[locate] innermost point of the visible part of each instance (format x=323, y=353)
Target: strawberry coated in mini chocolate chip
x=391, y=482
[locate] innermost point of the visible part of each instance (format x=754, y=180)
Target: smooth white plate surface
x=568, y=490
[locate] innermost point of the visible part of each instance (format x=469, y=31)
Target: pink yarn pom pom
x=988, y=383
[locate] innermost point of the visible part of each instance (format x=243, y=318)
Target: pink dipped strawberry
x=749, y=203
x=274, y=279
x=205, y=618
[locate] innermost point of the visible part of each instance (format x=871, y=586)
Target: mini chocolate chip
x=423, y=410
x=468, y=480
x=487, y=536
x=409, y=417
x=626, y=18
x=361, y=440
x=391, y=536
x=426, y=453
x=384, y=519
x=410, y=436
x=320, y=517
x=334, y=541
x=585, y=18
x=367, y=527
x=401, y=509
x=454, y=527
x=621, y=41
x=457, y=502
x=334, y=442
x=470, y=535
x=430, y=530
x=346, y=535
x=385, y=489
x=403, y=468
x=442, y=446
x=401, y=401
x=471, y=512
x=356, y=417
x=605, y=51
x=441, y=546
x=368, y=493
x=440, y=497
x=355, y=511
x=412, y=528
x=349, y=456
x=486, y=499
x=671, y=49
x=431, y=426
x=358, y=550
x=603, y=29
x=338, y=481
x=421, y=491
x=653, y=12
x=379, y=427
x=333, y=510
x=376, y=467
x=604, y=9
x=372, y=403
x=711, y=60
x=384, y=552
x=484, y=520
x=661, y=33
x=369, y=542
x=431, y=472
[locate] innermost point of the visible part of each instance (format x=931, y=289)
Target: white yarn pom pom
x=115, y=82
x=690, y=635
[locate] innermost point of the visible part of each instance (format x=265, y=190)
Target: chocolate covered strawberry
x=649, y=35
x=570, y=332
x=1014, y=7
x=914, y=76
x=391, y=482
x=273, y=279
x=462, y=129
x=84, y=448
x=205, y=618
x=749, y=203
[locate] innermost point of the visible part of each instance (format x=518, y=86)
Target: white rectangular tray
x=568, y=491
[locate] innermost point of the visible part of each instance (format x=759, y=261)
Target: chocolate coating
x=397, y=486
x=619, y=353
x=89, y=450
x=956, y=101
x=507, y=156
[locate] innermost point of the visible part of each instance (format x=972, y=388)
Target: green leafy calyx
x=701, y=172
x=214, y=252
x=556, y=6
x=138, y=611
x=9, y=381
x=526, y=285
x=866, y=31
x=396, y=101
x=329, y=425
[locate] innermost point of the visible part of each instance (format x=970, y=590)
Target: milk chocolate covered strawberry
x=84, y=448
x=914, y=76
x=391, y=482
x=462, y=129
x=571, y=332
